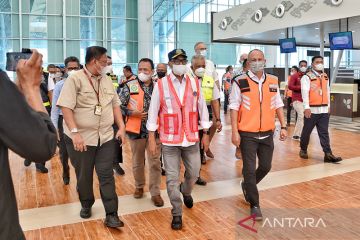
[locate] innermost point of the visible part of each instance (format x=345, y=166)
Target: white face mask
x=303, y=69
x=144, y=77
x=319, y=67
x=107, y=69
x=257, y=66
x=200, y=72
x=203, y=53
x=179, y=70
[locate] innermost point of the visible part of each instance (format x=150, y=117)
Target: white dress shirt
x=305, y=90
x=152, y=124
x=236, y=98
x=210, y=70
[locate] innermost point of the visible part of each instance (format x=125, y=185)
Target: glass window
x=42, y=47
x=73, y=8
x=56, y=29
x=56, y=7
x=117, y=8
x=5, y=6
x=38, y=26
x=73, y=28
x=87, y=28
x=117, y=29
x=87, y=7
x=55, y=52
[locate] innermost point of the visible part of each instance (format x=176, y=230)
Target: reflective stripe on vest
x=318, y=94
x=46, y=104
x=177, y=118
x=136, y=102
x=207, y=88
x=255, y=116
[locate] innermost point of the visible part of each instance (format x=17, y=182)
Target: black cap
x=175, y=53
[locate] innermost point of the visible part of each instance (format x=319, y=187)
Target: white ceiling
x=306, y=35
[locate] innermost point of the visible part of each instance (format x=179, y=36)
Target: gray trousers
x=172, y=156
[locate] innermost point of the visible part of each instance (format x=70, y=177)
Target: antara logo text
x=284, y=222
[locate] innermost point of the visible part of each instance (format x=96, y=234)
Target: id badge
x=98, y=110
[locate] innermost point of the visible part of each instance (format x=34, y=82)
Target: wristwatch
x=74, y=130
x=206, y=132
x=284, y=128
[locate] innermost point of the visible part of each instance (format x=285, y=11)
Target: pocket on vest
x=171, y=124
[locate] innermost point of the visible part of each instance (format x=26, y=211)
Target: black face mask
x=161, y=74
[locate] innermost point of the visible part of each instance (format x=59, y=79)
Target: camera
x=12, y=58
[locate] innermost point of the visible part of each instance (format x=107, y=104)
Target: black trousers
x=226, y=101
x=288, y=109
x=321, y=121
x=118, y=157
x=100, y=158
x=250, y=148
x=64, y=156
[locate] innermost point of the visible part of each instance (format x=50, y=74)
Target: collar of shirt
x=316, y=73
x=255, y=78
x=90, y=74
x=174, y=78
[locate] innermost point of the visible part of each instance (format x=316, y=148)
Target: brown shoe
x=157, y=200
x=139, y=192
x=238, y=153
x=209, y=154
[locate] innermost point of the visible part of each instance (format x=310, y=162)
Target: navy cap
x=175, y=53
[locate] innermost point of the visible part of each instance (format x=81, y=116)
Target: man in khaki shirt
x=90, y=105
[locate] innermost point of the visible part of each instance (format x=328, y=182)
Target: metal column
x=64, y=29
x=336, y=69
x=322, y=39
x=20, y=25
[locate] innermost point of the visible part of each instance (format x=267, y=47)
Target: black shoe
x=113, y=221
x=201, y=182
x=27, y=163
x=66, y=180
x=188, y=200
x=257, y=212
x=85, y=213
x=66, y=176
x=243, y=190
x=303, y=154
x=176, y=223
x=41, y=168
x=296, y=138
x=118, y=169
x=203, y=160
x=329, y=157
x=163, y=173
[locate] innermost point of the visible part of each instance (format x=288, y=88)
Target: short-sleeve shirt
x=79, y=96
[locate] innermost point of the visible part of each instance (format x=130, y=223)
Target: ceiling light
x=353, y=31
x=317, y=28
x=282, y=33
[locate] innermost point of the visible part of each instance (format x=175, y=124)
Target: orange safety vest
x=255, y=116
x=318, y=95
x=176, y=117
x=289, y=92
x=227, y=83
x=136, y=102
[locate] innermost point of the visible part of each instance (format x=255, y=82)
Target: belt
x=46, y=104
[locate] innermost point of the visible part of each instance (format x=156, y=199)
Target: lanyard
x=92, y=85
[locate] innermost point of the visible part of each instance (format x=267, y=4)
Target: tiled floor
x=216, y=217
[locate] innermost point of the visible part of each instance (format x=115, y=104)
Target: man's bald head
x=161, y=67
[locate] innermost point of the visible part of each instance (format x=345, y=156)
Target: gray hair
x=197, y=57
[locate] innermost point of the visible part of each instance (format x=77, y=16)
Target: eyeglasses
x=179, y=61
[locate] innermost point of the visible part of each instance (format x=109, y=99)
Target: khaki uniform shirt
x=78, y=95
